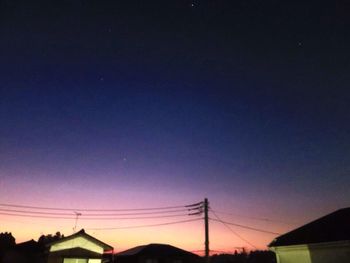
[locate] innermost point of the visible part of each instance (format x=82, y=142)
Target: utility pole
x=206, y=225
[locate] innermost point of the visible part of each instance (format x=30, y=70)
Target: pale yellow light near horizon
x=188, y=236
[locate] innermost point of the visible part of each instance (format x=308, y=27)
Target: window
x=75, y=260
x=81, y=260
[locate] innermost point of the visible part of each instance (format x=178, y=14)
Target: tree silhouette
x=45, y=239
x=244, y=257
x=7, y=241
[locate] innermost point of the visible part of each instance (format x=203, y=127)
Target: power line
x=143, y=217
x=255, y=218
x=99, y=214
x=143, y=226
x=23, y=222
x=247, y=227
x=96, y=218
x=196, y=204
x=99, y=210
x=235, y=233
x=35, y=216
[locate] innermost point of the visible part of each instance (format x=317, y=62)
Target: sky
x=138, y=104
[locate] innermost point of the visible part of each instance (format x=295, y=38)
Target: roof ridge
x=81, y=232
x=328, y=228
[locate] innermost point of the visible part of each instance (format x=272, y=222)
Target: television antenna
x=77, y=214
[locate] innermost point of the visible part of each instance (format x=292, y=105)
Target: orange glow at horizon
x=188, y=236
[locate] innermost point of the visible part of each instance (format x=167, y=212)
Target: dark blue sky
x=234, y=100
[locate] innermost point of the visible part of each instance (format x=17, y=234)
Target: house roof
x=332, y=227
x=30, y=245
x=156, y=250
x=132, y=251
x=83, y=234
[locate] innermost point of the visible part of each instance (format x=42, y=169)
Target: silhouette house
x=325, y=240
x=77, y=248
x=156, y=253
x=26, y=252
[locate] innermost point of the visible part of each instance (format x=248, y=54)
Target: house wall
x=73, y=255
x=339, y=254
x=80, y=260
x=157, y=259
x=73, y=260
x=54, y=260
x=293, y=256
x=77, y=242
x=336, y=252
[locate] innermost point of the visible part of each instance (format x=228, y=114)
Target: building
x=77, y=248
x=325, y=240
x=26, y=252
x=156, y=253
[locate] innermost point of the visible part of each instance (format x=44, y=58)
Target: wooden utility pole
x=206, y=225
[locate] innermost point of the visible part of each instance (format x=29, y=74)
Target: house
x=77, y=248
x=156, y=253
x=26, y=252
x=325, y=240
